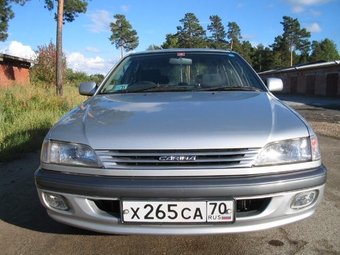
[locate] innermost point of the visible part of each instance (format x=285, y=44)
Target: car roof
x=202, y=50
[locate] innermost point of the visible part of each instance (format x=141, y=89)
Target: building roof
x=304, y=66
x=9, y=58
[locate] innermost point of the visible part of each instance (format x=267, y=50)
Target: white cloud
x=248, y=36
x=125, y=8
x=114, y=60
x=314, y=28
x=307, y=2
x=297, y=9
x=17, y=49
x=315, y=13
x=78, y=62
x=91, y=49
x=100, y=21
x=299, y=5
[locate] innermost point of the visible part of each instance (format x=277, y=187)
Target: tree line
x=293, y=47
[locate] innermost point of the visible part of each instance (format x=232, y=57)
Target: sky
x=86, y=41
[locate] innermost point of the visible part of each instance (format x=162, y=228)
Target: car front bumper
x=81, y=192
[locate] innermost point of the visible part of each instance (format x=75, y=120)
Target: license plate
x=177, y=211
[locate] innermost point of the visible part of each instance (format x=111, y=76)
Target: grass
x=26, y=115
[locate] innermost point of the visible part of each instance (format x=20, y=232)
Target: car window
x=178, y=71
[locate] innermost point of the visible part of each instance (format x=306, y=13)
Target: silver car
x=181, y=141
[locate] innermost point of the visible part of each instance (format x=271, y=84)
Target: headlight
x=289, y=151
x=55, y=152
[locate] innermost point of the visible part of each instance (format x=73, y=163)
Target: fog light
x=56, y=201
x=304, y=199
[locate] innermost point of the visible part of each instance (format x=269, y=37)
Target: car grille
x=176, y=159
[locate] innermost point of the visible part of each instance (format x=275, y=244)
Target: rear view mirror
x=180, y=61
x=274, y=84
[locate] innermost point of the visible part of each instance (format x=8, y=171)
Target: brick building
x=321, y=78
x=14, y=70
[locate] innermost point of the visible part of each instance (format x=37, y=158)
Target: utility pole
x=59, y=68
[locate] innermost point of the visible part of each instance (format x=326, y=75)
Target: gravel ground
x=324, y=121
x=323, y=113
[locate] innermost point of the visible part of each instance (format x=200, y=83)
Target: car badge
x=177, y=158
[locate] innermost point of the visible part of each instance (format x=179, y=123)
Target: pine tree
x=6, y=14
x=123, y=36
x=191, y=34
x=217, y=40
x=234, y=34
x=293, y=37
x=324, y=50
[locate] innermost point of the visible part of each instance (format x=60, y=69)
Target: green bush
x=76, y=77
x=26, y=115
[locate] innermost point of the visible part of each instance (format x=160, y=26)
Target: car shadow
x=20, y=204
x=324, y=102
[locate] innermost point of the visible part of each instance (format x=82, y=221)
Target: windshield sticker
x=121, y=87
x=231, y=55
x=180, y=54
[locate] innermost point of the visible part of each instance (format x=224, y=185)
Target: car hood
x=191, y=120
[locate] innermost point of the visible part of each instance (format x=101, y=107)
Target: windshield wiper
x=138, y=88
x=169, y=88
x=232, y=88
x=154, y=88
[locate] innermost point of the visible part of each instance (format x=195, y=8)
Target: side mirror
x=87, y=88
x=274, y=84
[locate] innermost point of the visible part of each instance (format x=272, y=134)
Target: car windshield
x=181, y=71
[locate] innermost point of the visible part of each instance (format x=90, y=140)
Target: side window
x=116, y=79
x=238, y=74
x=245, y=76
